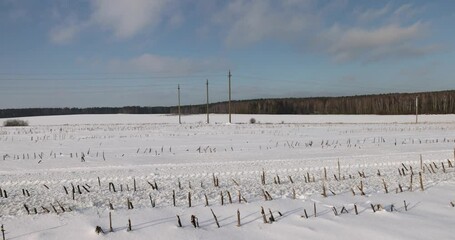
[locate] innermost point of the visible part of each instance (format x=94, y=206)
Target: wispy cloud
x=157, y=64
x=250, y=21
x=67, y=31
x=408, y=11
x=124, y=19
x=365, y=34
x=376, y=43
x=373, y=14
x=127, y=18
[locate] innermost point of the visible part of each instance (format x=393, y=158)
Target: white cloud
x=124, y=18
x=374, y=44
x=250, y=21
x=66, y=32
x=127, y=18
x=407, y=11
x=360, y=38
x=157, y=64
x=371, y=34
x=372, y=14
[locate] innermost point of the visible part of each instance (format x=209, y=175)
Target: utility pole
x=207, y=88
x=417, y=109
x=229, y=76
x=178, y=91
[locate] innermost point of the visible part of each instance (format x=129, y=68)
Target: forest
x=441, y=102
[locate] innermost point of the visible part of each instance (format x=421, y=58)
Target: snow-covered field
x=59, y=176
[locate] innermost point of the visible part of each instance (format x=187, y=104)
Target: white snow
x=239, y=118
x=45, y=157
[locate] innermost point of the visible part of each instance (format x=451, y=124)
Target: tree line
x=26, y=112
x=442, y=102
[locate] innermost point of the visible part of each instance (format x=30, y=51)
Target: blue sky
x=66, y=53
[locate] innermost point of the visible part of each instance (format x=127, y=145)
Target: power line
x=187, y=78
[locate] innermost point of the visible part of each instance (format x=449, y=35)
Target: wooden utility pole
x=3, y=232
x=229, y=76
x=178, y=91
x=417, y=109
x=207, y=88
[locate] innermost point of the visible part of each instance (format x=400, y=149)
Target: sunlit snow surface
x=64, y=151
